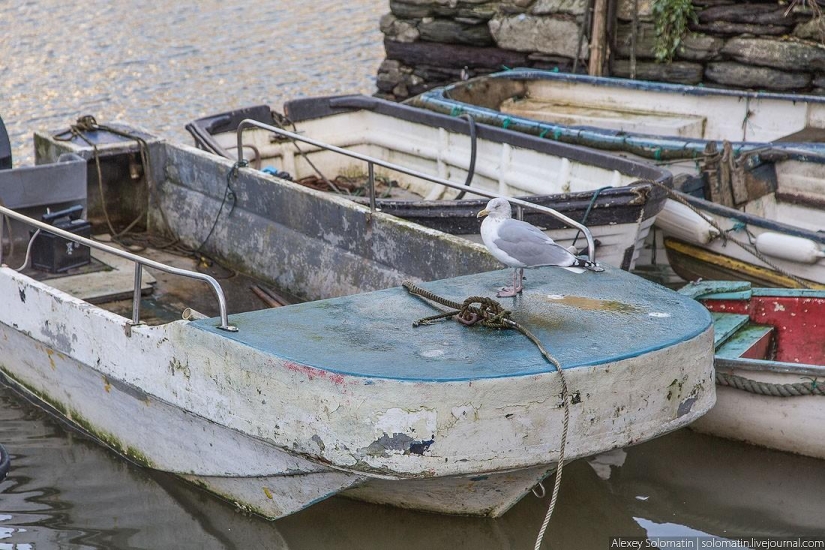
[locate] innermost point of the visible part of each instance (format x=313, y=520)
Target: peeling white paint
x=419, y=424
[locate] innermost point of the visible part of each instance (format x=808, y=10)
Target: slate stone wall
x=755, y=44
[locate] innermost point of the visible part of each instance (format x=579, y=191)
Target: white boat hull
x=145, y=391
x=792, y=424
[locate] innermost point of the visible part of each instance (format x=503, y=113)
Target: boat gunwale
x=751, y=219
x=522, y=73
x=299, y=110
x=651, y=146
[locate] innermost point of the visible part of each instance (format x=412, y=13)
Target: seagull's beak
x=482, y=213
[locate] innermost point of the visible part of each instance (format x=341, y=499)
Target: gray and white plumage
x=519, y=244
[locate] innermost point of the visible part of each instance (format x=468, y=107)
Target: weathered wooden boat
x=753, y=152
x=769, y=363
x=662, y=122
x=580, y=183
x=775, y=240
x=275, y=409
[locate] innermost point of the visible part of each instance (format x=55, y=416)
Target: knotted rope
x=491, y=314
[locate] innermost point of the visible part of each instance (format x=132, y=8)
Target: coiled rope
x=491, y=314
x=799, y=389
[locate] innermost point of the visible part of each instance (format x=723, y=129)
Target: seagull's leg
x=509, y=291
x=518, y=286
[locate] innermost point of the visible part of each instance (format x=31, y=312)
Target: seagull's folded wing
x=527, y=244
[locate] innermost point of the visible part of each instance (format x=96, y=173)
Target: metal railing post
x=136, y=295
x=250, y=123
x=371, y=171
x=139, y=261
x=2, y=223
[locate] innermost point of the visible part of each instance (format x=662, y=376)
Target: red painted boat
x=770, y=365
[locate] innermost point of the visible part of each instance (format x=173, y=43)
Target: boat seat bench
x=750, y=342
x=667, y=124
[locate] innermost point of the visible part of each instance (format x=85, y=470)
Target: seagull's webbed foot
x=515, y=290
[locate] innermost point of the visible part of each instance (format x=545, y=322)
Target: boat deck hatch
x=582, y=319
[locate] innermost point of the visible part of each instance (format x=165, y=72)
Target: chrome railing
x=139, y=261
x=371, y=162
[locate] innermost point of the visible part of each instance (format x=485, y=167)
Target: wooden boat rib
x=341, y=395
x=581, y=184
x=767, y=340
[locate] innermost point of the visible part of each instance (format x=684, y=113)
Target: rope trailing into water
x=490, y=313
x=799, y=389
x=725, y=234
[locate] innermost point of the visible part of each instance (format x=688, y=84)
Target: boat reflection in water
x=65, y=489
x=88, y=497
x=689, y=481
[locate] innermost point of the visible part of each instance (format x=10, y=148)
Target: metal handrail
x=139, y=263
x=248, y=123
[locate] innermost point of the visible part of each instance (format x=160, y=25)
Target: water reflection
x=64, y=490
x=161, y=64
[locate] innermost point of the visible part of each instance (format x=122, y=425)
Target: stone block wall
x=756, y=44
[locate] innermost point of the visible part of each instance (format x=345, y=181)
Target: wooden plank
x=750, y=342
x=725, y=325
x=104, y=286
x=572, y=114
x=598, y=44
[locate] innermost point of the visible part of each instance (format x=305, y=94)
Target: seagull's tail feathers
x=588, y=265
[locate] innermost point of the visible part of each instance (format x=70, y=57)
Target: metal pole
x=216, y=288
x=136, y=295
x=249, y=123
x=371, y=171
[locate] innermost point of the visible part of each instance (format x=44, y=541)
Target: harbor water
x=159, y=65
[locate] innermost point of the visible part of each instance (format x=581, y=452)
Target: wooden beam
x=598, y=44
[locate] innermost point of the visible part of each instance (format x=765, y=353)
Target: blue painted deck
x=582, y=319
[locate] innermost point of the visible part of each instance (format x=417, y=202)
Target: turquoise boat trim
x=725, y=326
x=789, y=292
x=583, y=319
x=744, y=295
x=742, y=341
x=704, y=289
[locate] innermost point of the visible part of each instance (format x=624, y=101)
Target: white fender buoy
x=679, y=221
x=788, y=247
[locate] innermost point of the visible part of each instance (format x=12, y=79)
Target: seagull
x=518, y=244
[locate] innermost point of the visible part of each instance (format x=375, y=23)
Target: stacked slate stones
x=756, y=44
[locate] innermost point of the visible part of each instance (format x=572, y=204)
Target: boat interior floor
x=806, y=134
x=108, y=281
